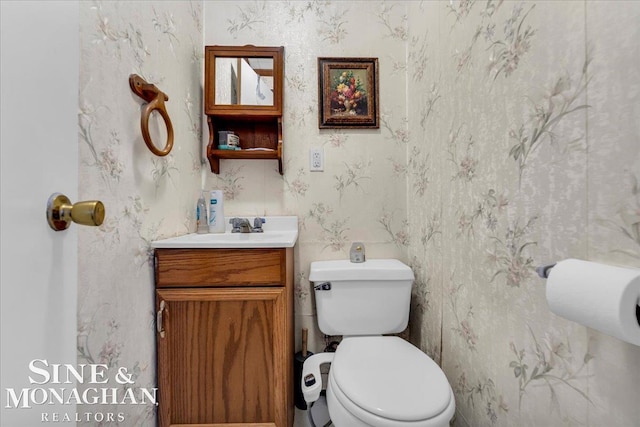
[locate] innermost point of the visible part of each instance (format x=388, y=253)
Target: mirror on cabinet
x=243, y=79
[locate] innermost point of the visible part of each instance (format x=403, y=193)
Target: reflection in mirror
x=243, y=81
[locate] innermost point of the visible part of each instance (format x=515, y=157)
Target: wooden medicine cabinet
x=243, y=94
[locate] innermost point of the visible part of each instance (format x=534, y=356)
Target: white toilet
x=374, y=380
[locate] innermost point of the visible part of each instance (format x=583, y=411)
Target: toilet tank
x=368, y=298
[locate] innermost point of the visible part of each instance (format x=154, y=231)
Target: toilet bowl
x=387, y=382
x=375, y=380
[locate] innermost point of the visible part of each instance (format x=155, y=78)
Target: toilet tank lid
x=371, y=269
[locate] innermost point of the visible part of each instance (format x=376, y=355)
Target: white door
x=39, y=60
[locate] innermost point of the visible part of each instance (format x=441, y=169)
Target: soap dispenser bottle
x=216, y=212
x=201, y=216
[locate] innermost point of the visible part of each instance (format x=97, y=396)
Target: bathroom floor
x=320, y=415
x=300, y=419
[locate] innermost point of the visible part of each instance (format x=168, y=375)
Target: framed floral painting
x=348, y=93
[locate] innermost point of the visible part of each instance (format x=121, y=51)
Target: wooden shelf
x=215, y=156
x=264, y=133
x=244, y=154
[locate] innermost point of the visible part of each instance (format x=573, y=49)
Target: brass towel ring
x=155, y=98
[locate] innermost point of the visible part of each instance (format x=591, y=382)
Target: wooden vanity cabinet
x=225, y=337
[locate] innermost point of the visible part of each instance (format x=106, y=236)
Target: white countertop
x=279, y=232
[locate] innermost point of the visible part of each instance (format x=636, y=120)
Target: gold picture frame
x=348, y=93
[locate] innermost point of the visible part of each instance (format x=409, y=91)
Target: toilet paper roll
x=602, y=297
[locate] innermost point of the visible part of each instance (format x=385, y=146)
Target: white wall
x=39, y=145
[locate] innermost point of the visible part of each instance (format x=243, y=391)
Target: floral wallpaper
x=519, y=108
x=361, y=194
x=507, y=140
x=146, y=197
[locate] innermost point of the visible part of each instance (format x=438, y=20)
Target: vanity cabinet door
x=222, y=356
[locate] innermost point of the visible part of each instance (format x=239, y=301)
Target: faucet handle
x=235, y=224
x=257, y=225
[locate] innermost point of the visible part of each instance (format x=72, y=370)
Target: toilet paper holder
x=544, y=270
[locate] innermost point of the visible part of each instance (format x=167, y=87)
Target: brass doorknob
x=61, y=212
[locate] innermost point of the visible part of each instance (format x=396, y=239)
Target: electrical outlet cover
x=316, y=160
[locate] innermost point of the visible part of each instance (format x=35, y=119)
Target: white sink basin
x=279, y=232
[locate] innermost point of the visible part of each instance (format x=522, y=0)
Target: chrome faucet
x=241, y=225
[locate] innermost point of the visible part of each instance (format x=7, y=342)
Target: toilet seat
x=386, y=381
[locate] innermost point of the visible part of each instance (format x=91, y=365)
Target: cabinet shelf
x=244, y=154
x=215, y=156
x=254, y=134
